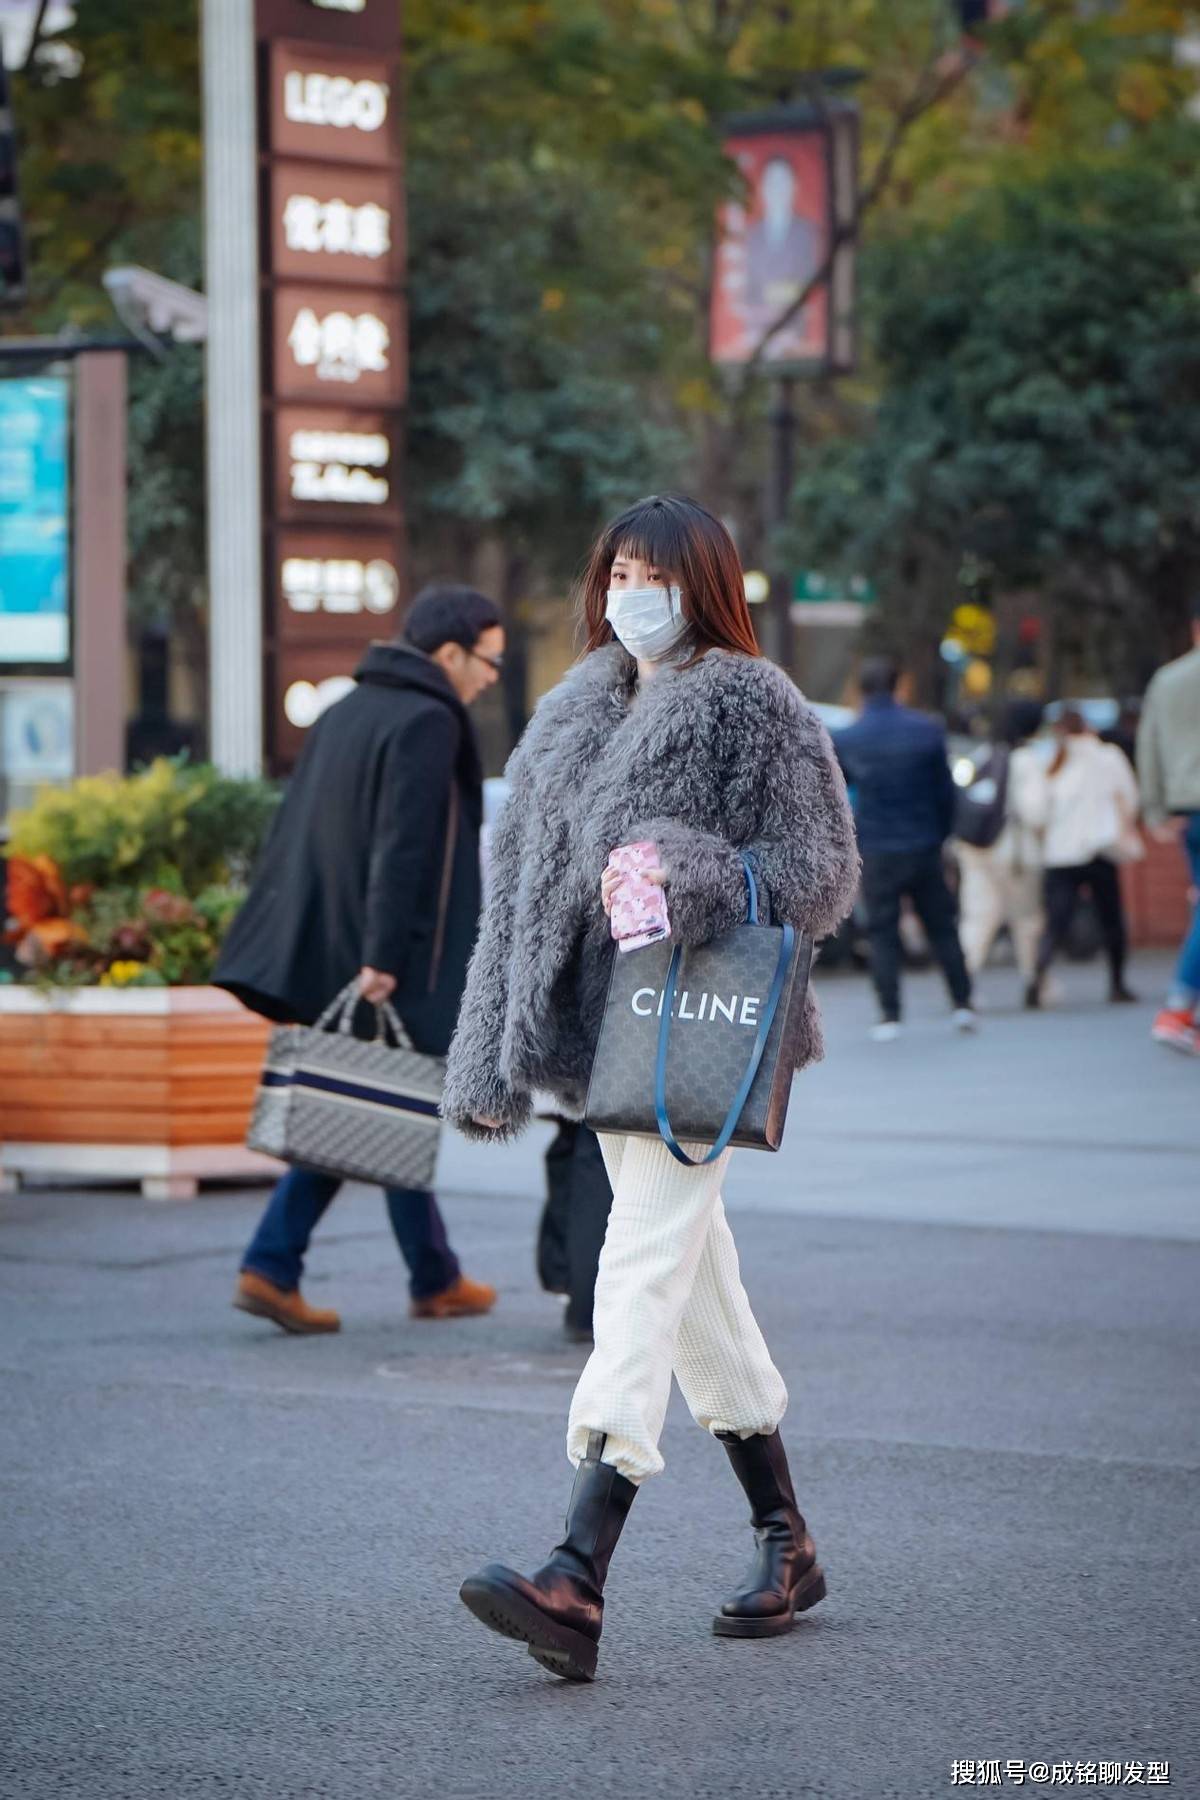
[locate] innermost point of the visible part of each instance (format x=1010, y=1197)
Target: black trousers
x=575, y=1219
x=1063, y=888
x=888, y=877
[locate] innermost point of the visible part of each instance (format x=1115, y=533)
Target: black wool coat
x=372, y=858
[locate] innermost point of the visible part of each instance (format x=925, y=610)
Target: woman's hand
x=612, y=878
x=610, y=881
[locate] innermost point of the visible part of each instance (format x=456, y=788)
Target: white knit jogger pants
x=669, y=1296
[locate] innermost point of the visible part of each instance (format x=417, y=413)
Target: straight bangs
x=649, y=533
x=687, y=543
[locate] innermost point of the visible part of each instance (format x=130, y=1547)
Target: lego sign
x=333, y=107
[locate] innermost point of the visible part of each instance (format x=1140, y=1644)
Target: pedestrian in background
x=904, y=802
x=1168, y=761
x=672, y=729
x=371, y=871
x=1001, y=883
x=1089, y=827
x=573, y=1223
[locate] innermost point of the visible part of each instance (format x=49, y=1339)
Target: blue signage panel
x=35, y=611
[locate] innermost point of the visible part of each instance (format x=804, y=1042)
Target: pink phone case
x=639, y=907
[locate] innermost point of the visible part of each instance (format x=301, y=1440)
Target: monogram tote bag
x=701, y=1043
x=365, y=1110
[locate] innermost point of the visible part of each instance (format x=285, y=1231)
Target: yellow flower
x=121, y=974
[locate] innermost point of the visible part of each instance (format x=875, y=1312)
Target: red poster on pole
x=770, y=245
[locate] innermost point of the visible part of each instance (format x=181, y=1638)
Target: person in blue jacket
x=896, y=765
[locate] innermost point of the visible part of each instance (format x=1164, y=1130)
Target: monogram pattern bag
x=702, y=1043
x=365, y=1110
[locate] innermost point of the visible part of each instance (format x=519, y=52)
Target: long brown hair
x=685, y=541
x=1071, y=723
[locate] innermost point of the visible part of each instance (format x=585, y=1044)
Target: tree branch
x=35, y=36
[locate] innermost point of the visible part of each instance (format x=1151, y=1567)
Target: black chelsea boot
x=559, y=1611
x=785, y=1577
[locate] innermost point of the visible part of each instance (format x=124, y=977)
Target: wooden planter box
x=1156, y=896
x=151, y=1085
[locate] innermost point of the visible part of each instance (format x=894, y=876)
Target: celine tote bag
x=701, y=1043
x=366, y=1110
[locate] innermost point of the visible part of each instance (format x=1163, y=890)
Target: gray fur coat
x=705, y=761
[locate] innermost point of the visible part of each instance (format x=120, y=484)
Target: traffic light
x=12, y=241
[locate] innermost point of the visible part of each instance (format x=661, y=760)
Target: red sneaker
x=1178, y=1030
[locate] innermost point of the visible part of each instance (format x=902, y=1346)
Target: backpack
x=981, y=811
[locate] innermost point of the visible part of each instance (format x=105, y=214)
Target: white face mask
x=649, y=621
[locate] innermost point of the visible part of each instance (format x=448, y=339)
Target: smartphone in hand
x=639, y=907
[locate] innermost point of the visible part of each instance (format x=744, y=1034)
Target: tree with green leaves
x=1038, y=433
x=564, y=169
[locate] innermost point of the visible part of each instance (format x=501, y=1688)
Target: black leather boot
x=559, y=1611
x=785, y=1577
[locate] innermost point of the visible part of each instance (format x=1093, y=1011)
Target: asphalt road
x=228, y=1559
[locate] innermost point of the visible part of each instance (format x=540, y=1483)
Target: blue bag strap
x=751, y=891
x=786, y=950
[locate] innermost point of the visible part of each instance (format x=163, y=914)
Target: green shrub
x=176, y=825
x=132, y=881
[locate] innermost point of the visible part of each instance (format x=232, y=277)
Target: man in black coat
x=371, y=872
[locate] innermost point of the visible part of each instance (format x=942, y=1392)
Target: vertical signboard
x=334, y=348
x=775, y=282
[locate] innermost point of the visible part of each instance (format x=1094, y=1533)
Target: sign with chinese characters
x=336, y=584
x=334, y=223
x=331, y=340
x=335, y=373
x=337, y=467
x=331, y=106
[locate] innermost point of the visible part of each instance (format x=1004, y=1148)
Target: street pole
x=778, y=634
x=233, y=389
x=100, y=555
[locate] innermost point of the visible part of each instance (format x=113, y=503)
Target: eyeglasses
x=496, y=663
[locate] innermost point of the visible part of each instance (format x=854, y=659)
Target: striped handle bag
x=362, y=1109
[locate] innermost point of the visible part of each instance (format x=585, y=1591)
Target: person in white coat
x=1001, y=883
x=1089, y=827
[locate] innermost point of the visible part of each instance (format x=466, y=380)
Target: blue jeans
x=278, y=1246
x=1187, y=974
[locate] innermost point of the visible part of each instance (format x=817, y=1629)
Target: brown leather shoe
x=460, y=1300
x=291, y=1311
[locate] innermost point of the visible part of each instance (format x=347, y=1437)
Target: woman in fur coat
x=672, y=728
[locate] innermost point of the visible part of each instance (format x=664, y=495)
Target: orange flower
x=35, y=890
x=54, y=935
